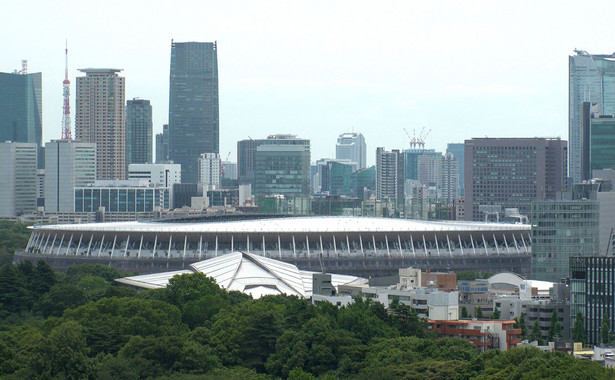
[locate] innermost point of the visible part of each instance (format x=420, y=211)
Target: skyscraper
x=162, y=145
x=457, y=151
x=591, y=79
x=101, y=119
x=68, y=164
x=193, y=105
x=21, y=107
x=18, y=191
x=390, y=175
x=351, y=146
x=209, y=171
x=138, y=132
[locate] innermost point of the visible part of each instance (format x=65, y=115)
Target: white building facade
x=18, y=191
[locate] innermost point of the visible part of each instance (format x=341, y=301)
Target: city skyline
x=461, y=71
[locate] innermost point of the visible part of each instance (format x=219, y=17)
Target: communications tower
x=66, y=130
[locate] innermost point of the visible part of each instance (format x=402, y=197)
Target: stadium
x=358, y=246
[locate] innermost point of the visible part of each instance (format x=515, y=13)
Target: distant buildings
x=458, y=151
x=100, y=118
x=162, y=145
x=68, y=164
x=351, y=146
x=18, y=190
x=602, y=143
x=193, y=105
x=124, y=196
x=164, y=175
x=511, y=173
x=138, y=132
x=209, y=171
x=21, y=108
x=390, y=171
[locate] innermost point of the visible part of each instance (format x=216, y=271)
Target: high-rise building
x=209, y=171
x=512, y=173
x=193, y=105
x=21, y=107
x=351, y=146
x=429, y=165
x=449, y=179
x=162, y=145
x=164, y=175
x=458, y=151
x=602, y=143
x=138, y=132
x=390, y=175
x=68, y=164
x=101, y=119
x=246, y=152
x=18, y=177
x=282, y=166
x=591, y=79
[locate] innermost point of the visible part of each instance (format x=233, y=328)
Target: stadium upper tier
x=279, y=238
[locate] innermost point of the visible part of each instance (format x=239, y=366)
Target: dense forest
x=81, y=324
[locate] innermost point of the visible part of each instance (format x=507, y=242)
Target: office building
x=100, y=118
x=336, y=178
x=560, y=230
x=591, y=79
x=21, y=107
x=282, y=166
x=138, y=132
x=429, y=165
x=18, y=176
x=602, y=143
x=512, y=173
x=162, y=145
x=458, y=151
x=351, y=146
x=132, y=196
x=411, y=161
x=68, y=164
x=164, y=175
x=364, y=182
x=209, y=171
x=193, y=105
x=390, y=175
x=449, y=180
x=592, y=292
x=228, y=170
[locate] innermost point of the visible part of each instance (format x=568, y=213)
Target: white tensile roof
x=247, y=273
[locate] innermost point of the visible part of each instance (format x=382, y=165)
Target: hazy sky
x=319, y=68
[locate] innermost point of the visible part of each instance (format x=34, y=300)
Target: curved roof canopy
x=247, y=273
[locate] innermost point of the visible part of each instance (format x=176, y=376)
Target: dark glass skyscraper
x=193, y=105
x=138, y=132
x=21, y=108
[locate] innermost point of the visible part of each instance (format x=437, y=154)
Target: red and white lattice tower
x=66, y=130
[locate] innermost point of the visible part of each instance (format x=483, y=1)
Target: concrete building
x=449, y=179
x=68, y=164
x=512, y=173
x=390, y=175
x=164, y=175
x=21, y=107
x=209, y=171
x=138, y=132
x=351, y=146
x=194, y=125
x=18, y=192
x=162, y=145
x=458, y=152
x=486, y=334
x=100, y=118
x=592, y=80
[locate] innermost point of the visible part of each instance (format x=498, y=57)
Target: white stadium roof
x=247, y=273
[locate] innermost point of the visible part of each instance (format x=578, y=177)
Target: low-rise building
x=486, y=334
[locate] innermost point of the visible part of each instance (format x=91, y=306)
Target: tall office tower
x=282, y=166
x=512, y=172
x=602, y=143
x=429, y=167
x=390, y=175
x=457, y=151
x=162, y=145
x=591, y=79
x=18, y=177
x=352, y=146
x=246, y=152
x=21, y=107
x=209, y=171
x=138, y=132
x=411, y=161
x=193, y=105
x=101, y=119
x=449, y=179
x=68, y=164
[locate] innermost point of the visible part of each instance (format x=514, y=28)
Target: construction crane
x=417, y=141
x=222, y=165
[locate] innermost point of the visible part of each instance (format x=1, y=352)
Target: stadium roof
x=247, y=273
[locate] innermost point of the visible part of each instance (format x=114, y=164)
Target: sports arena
x=350, y=245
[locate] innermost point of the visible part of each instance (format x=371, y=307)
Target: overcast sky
x=316, y=69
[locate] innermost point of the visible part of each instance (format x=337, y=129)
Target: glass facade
x=21, y=108
x=561, y=230
x=90, y=199
x=602, y=143
x=282, y=168
x=193, y=105
x=138, y=132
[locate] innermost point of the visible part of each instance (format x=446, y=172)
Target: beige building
x=101, y=118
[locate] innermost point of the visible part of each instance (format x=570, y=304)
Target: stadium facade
x=349, y=245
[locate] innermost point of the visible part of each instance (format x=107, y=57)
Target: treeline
x=13, y=236
x=82, y=325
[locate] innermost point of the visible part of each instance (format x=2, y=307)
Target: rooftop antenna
x=66, y=130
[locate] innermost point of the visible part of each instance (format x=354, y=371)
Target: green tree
x=12, y=290
x=578, y=329
x=464, y=312
x=523, y=325
x=60, y=297
x=406, y=319
x=555, y=328
x=479, y=312
x=496, y=313
x=536, y=333
x=605, y=329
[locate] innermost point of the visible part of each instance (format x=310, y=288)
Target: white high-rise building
x=68, y=164
x=389, y=175
x=18, y=178
x=209, y=171
x=449, y=179
x=351, y=146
